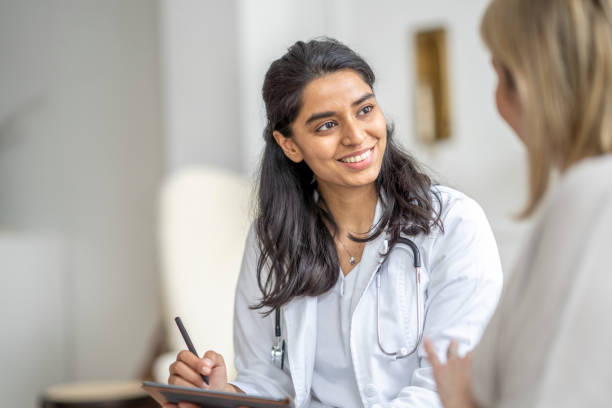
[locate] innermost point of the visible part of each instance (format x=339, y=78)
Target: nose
x=353, y=133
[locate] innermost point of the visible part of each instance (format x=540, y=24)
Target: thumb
x=213, y=359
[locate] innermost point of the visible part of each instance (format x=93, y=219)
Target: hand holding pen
x=190, y=346
x=208, y=372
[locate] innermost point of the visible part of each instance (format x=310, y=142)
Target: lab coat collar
x=370, y=259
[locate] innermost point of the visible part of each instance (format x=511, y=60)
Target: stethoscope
x=278, y=349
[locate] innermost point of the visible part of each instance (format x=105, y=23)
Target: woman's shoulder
x=584, y=191
x=589, y=179
x=454, y=206
x=449, y=194
x=251, y=238
x=252, y=250
x=252, y=247
x=466, y=238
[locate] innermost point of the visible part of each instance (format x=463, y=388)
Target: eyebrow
x=321, y=115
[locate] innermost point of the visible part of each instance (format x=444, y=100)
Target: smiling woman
x=352, y=246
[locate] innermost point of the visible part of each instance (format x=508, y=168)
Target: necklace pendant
x=352, y=260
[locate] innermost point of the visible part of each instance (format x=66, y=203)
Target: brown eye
x=366, y=109
x=326, y=126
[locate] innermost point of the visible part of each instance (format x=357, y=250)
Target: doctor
x=343, y=217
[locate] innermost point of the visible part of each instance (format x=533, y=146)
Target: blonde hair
x=559, y=54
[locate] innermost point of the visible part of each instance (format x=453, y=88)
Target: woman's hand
x=187, y=371
x=452, y=378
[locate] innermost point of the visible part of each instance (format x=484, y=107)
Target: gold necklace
x=352, y=259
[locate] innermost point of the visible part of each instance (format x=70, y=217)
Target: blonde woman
x=549, y=342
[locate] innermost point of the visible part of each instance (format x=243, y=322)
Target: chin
x=366, y=180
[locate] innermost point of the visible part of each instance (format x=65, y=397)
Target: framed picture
x=432, y=102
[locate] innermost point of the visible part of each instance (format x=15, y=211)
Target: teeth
x=357, y=159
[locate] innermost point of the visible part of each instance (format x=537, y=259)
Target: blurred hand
x=452, y=378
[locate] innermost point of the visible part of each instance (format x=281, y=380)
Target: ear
x=291, y=150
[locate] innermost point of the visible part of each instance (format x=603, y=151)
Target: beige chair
x=203, y=223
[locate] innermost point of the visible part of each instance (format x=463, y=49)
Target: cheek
x=378, y=129
x=382, y=132
x=509, y=111
x=317, y=155
x=504, y=107
x=381, y=123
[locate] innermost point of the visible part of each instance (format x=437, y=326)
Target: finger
x=431, y=353
x=176, y=380
x=168, y=405
x=213, y=359
x=182, y=370
x=452, y=351
x=190, y=359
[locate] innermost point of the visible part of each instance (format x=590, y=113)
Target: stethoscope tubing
x=278, y=349
x=403, y=352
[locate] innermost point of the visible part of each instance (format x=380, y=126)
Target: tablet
x=163, y=393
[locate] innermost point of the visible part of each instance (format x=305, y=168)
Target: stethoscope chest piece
x=277, y=353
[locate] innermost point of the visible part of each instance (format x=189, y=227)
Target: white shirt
x=333, y=380
x=549, y=343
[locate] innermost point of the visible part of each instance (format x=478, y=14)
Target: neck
x=353, y=209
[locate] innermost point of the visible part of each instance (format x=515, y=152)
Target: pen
x=181, y=328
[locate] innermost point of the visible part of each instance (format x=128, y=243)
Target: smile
x=357, y=158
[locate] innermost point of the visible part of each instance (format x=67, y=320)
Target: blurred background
x=101, y=101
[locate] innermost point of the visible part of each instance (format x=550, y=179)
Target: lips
x=357, y=156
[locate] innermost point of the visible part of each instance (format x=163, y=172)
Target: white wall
x=201, y=107
x=265, y=30
x=80, y=161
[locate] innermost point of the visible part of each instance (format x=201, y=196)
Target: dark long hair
x=298, y=255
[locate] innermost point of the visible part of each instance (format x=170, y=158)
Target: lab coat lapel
x=301, y=325
x=370, y=261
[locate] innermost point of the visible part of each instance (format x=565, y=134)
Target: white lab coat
x=461, y=283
